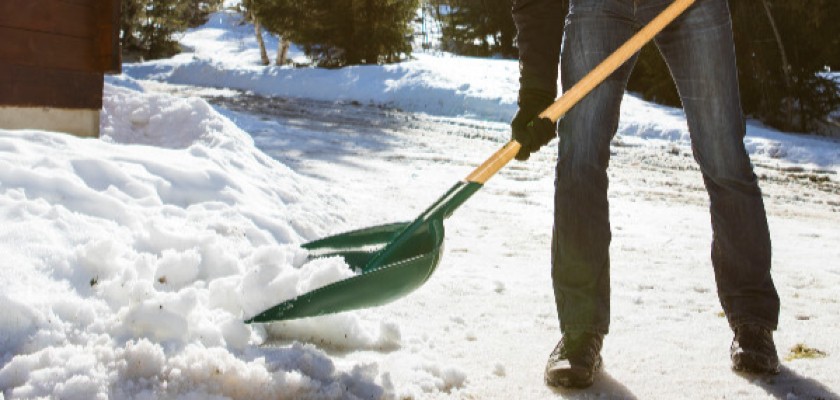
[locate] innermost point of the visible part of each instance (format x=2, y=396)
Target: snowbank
x=224, y=54
x=130, y=262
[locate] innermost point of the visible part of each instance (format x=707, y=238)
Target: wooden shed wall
x=53, y=53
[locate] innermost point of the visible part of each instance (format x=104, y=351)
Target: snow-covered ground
x=130, y=261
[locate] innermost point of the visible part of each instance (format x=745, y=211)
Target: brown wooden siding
x=47, y=50
x=47, y=16
x=53, y=53
x=107, y=41
x=27, y=86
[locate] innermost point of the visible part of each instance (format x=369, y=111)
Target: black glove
x=532, y=132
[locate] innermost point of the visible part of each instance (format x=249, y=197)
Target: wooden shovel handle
x=493, y=164
x=572, y=96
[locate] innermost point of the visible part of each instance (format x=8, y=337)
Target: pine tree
x=160, y=19
x=129, y=19
x=478, y=27
x=783, y=49
x=343, y=32
x=148, y=26
x=197, y=12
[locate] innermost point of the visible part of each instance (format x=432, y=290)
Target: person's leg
x=581, y=236
x=699, y=50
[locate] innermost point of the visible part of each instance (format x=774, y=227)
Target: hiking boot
x=574, y=361
x=753, y=350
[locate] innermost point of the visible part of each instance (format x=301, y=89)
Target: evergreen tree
x=160, y=20
x=148, y=26
x=197, y=12
x=343, y=32
x=129, y=20
x=783, y=49
x=477, y=27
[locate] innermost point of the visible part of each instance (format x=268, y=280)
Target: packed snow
x=130, y=261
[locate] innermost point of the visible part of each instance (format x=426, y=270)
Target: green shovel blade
x=393, y=260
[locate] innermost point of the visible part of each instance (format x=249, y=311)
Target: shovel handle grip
x=493, y=164
x=572, y=96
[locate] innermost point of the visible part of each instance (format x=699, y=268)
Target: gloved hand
x=532, y=132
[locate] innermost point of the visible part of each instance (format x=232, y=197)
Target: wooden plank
x=38, y=49
x=48, y=16
x=27, y=86
x=107, y=41
x=84, y=3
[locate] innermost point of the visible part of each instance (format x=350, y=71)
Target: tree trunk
x=282, y=51
x=506, y=42
x=258, y=31
x=785, y=66
x=370, y=22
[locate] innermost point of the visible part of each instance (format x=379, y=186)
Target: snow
x=226, y=56
x=130, y=261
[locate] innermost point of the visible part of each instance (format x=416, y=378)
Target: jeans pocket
x=588, y=6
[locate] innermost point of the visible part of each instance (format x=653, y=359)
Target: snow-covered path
x=484, y=324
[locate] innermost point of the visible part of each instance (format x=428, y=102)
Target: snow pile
x=128, y=269
x=455, y=87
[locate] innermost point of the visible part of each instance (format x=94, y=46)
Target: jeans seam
x=738, y=321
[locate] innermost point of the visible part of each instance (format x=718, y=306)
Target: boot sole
x=572, y=377
x=754, y=363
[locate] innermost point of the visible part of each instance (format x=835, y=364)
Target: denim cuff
x=738, y=321
x=569, y=328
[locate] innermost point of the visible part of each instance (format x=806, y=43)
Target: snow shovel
x=395, y=259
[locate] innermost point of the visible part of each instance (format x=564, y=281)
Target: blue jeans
x=698, y=48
